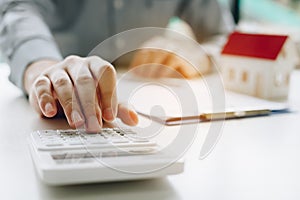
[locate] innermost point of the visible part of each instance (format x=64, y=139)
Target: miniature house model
x=258, y=65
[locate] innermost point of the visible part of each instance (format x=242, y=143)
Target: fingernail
x=108, y=114
x=76, y=117
x=49, y=108
x=93, y=124
x=134, y=117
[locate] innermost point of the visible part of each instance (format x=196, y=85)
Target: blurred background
x=278, y=12
x=265, y=16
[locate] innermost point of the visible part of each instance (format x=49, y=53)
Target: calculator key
x=119, y=140
x=142, y=151
x=138, y=140
x=97, y=141
x=127, y=131
x=47, y=138
x=76, y=143
x=53, y=144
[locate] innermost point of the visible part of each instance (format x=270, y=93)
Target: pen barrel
x=233, y=115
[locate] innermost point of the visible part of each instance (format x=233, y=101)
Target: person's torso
x=86, y=23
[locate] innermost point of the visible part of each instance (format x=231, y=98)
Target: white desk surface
x=256, y=158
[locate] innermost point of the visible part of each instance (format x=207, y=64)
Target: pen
x=233, y=114
x=220, y=115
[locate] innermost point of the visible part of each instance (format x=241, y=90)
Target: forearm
x=208, y=19
x=24, y=37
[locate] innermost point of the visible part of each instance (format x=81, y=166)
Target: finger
x=187, y=70
x=139, y=57
x=98, y=110
x=156, y=60
x=139, y=61
x=127, y=115
x=42, y=93
x=168, y=72
x=183, y=67
x=65, y=93
x=86, y=92
x=105, y=76
x=168, y=67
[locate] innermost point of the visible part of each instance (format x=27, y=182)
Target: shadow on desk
x=54, y=123
x=22, y=113
x=159, y=188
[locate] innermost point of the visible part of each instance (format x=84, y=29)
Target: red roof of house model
x=254, y=45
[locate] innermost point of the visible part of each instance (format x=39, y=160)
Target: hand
x=85, y=89
x=170, y=58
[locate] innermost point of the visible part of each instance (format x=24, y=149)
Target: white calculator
x=64, y=157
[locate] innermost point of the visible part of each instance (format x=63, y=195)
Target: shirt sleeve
x=24, y=36
x=211, y=23
x=208, y=19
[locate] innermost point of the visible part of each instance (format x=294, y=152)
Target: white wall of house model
x=250, y=66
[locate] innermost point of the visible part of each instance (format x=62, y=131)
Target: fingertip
x=93, y=125
x=134, y=118
x=108, y=115
x=49, y=110
x=77, y=119
x=128, y=116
